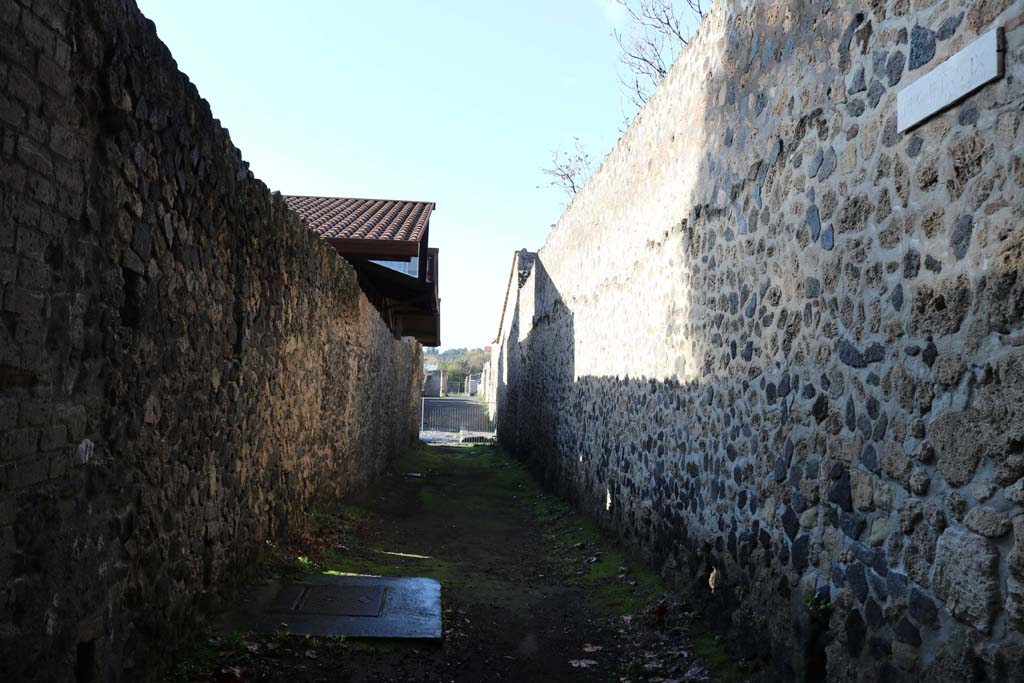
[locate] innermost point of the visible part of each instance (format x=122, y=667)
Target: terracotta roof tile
x=366, y=219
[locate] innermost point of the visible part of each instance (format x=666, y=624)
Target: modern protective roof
x=363, y=219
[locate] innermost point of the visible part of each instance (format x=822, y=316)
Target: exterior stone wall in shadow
x=775, y=336
x=184, y=369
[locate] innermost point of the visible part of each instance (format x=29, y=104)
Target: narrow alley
x=531, y=590
x=727, y=384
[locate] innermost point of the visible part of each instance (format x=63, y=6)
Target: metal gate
x=457, y=415
x=461, y=386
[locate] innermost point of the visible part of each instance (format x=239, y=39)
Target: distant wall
x=774, y=336
x=184, y=368
x=432, y=384
x=502, y=378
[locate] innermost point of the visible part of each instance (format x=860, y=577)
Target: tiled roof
x=363, y=219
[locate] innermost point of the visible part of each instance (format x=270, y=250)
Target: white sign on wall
x=977, y=64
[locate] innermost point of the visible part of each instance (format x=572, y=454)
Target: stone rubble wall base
x=774, y=336
x=185, y=371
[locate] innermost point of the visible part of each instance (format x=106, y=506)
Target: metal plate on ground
x=287, y=599
x=353, y=606
x=343, y=601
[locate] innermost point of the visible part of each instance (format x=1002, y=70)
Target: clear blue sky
x=456, y=102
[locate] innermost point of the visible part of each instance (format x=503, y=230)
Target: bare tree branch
x=696, y=8
x=569, y=170
x=658, y=32
x=659, y=16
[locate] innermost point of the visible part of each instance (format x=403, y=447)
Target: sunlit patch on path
x=529, y=589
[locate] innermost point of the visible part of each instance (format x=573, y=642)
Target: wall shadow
x=819, y=339
x=577, y=435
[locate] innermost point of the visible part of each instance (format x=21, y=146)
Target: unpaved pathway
x=531, y=590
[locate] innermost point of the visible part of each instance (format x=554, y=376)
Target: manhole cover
x=350, y=606
x=342, y=601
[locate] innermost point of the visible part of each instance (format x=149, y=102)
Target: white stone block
x=972, y=67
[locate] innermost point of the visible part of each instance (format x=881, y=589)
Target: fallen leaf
x=231, y=674
x=694, y=672
x=582, y=663
x=587, y=647
x=715, y=580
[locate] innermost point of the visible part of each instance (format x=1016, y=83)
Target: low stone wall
x=184, y=368
x=776, y=337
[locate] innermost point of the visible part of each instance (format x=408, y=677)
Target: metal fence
x=461, y=386
x=457, y=415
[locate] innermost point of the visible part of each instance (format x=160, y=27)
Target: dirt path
x=531, y=590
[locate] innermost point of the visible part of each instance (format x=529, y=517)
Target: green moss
x=358, y=565
x=710, y=648
x=202, y=657
x=612, y=593
x=483, y=498
x=353, y=512
x=481, y=490
x=194, y=662
x=501, y=485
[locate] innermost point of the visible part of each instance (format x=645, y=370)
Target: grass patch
x=572, y=541
x=492, y=489
x=197, y=660
x=443, y=525
x=710, y=647
x=479, y=489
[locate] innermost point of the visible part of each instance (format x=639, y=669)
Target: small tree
x=647, y=51
x=569, y=170
x=457, y=364
x=658, y=30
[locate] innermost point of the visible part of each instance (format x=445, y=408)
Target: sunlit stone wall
x=775, y=336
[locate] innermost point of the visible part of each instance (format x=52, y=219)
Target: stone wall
x=774, y=336
x=493, y=377
x=184, y=368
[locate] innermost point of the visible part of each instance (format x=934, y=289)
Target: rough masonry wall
x=184, y=368
x=774, y=336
